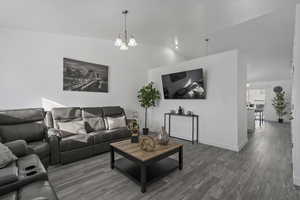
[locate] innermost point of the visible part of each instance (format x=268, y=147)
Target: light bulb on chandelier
x=123, y=46
x=118, y=41
x=132, y=42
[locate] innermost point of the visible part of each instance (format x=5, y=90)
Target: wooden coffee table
x=145, y=167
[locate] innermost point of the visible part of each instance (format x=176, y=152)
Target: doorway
x=256, y=99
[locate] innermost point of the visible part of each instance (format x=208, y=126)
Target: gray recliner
x=39, y=190
x=28, y=125
x=26, y=178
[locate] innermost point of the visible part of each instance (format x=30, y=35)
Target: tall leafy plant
x=280, y=103
x=148, y=96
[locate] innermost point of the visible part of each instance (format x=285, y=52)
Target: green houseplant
x=280, y=103
x=147, y=96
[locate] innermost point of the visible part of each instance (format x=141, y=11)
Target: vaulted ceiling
x=261, y=29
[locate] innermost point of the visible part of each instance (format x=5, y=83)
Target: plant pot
x=135, y=139
x=280, y=120
x=145, y=131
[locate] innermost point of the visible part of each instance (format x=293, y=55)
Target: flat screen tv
x=184, y=85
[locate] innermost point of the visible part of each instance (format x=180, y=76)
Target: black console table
x=193, y=117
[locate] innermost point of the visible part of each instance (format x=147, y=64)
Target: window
x=256, y=96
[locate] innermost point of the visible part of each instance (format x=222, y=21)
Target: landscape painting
x=84, y=76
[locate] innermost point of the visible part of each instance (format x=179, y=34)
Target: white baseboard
x=241, y=146
x=220, y=145
x=230, y=147
x=276, y=121
x=296, y=181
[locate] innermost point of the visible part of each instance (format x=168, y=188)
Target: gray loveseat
x=76, y=147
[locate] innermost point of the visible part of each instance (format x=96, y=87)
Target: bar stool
x=260, y=110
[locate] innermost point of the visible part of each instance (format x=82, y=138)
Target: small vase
x=180, y=110
x=134, y=139
x=163, y=137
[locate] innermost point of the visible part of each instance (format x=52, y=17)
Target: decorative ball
x=147, y=143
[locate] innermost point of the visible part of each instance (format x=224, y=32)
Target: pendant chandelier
x=125, y=40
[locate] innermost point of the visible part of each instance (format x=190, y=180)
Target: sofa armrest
x=53, y=139
x=18, y=147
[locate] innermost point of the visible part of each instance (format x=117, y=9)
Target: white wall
x=31, y=66
x=296, y=101
x=218, y=114
x=269, y=112
x=241, y=90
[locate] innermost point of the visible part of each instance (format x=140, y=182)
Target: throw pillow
x=94, y=124
x=116, y=122
x=72, y=128
x=6, y=156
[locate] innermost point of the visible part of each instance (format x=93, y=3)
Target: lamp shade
x=132, y=42
x=123, y=46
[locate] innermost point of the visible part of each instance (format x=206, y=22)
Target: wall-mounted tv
x=184, y=85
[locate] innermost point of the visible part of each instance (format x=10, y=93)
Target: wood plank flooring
x=262, y=170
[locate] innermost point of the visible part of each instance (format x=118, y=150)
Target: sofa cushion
x=120, y=133
x=20, y=116
x=75, y=142
x=94, y=124
x=40, y=148
x=10, y=196
x=40, y=190
x=65, y=115
x=49, y=119
x=25, y=124
x=9, y=174
x=107, y=135
x=6, y=156
x=18, y=147
x=88, y=112
x=93, y=118
x=112, y=111
x=116, y=122
x=101, y=136
x=27, y=131
x=71, y=128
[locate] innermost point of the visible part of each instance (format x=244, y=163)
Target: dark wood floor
x=262, y=170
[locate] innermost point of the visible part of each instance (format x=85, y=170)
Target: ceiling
x=261, y=29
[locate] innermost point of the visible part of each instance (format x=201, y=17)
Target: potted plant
x=147, y=96
x=134, y=128
x=279, y=103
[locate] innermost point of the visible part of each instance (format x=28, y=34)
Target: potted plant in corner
x=147, y=96
x=279, y=103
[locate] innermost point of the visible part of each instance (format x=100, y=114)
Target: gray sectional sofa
x=36, y=137
x=41, y=131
